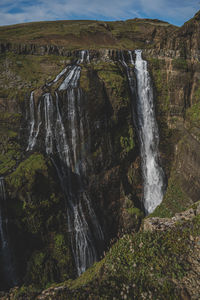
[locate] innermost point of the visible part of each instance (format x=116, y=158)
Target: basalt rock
x=114, y=182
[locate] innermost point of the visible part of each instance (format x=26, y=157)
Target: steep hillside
x=105, y=162
x=83, y=35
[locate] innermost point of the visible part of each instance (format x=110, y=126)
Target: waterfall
x=7, y=268
x=48, y=113
x=35, y=123
x=57, y=77
x=32, y=123
x=65, y=143
x=153, y=175
x=147, y=129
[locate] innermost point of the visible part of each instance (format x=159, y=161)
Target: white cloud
x=179, y=10
x=19, y=11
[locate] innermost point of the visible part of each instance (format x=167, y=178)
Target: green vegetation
x=11, y=118
x=160, y=82
x=193, y=114
x=38, y=211
x=175, y=200
x=197, y=92
x=115, y=82
x=24, y=176
x=134, y=211
x=84, y=80
x=9, y=159
x=180, y=63
x=127, y=142
x=145, y=265
x=26, y=72
x=43, y=268
x=25, y=292
x=82, y=34
x=61, y=253
x=111, y=74
x=140, y=265
x=9, y=148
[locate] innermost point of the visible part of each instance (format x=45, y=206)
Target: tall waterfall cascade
x=6, y=263
x=146, y=126
x=61, y=119
x=67, y=142
x=153, y=175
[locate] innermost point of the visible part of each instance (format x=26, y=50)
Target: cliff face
x=175, y=73
x=32, y=56
x=36, y=205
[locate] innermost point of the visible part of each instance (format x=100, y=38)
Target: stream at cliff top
x=7, y=267
x=67, y=142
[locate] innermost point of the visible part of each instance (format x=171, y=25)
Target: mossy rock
x=175, y=199
x=193, y=113
x=41, y=269
x=10, y=150
x=127, y=142
x=23, y=178
x=114, y=78
x=144, y=265
x=180, y=63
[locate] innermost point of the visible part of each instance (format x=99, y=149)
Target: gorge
x=91, y=142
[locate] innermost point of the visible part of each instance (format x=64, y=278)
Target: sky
x=20, y=11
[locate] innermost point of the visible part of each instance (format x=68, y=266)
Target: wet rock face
x=114, y=175
x=187, y=166
x=111, y=154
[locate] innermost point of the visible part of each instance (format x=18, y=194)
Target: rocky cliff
x=31, y=56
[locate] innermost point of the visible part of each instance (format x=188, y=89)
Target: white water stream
x=64, y=141
x=153, y=175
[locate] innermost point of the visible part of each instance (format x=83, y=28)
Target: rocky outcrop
x=161, y=261
x=157, y=224
x=114, y=178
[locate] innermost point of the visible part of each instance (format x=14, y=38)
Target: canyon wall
x=35, y=202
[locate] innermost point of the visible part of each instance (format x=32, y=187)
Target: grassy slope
x=147, y=265
x=83, y=34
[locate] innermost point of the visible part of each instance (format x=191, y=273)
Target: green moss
x=37, y=207
x=114, y=80
x=111, y=75
x=144, y=265
x=133, y=211
x=193, y=114
x=25, y=292
x=127, y=142
x=62, y=255
x=197, y=92
x=157, y=67
x=87, y=276
x=29, y=71
x=180, y=63
x=175, y=200
x=51, y=263
x=7, y=162
x=40, y=269
x=24, y=175
x=9, y=150
x=84, y=80
x=10, y=117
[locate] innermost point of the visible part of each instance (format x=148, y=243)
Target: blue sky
x=20, y=11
